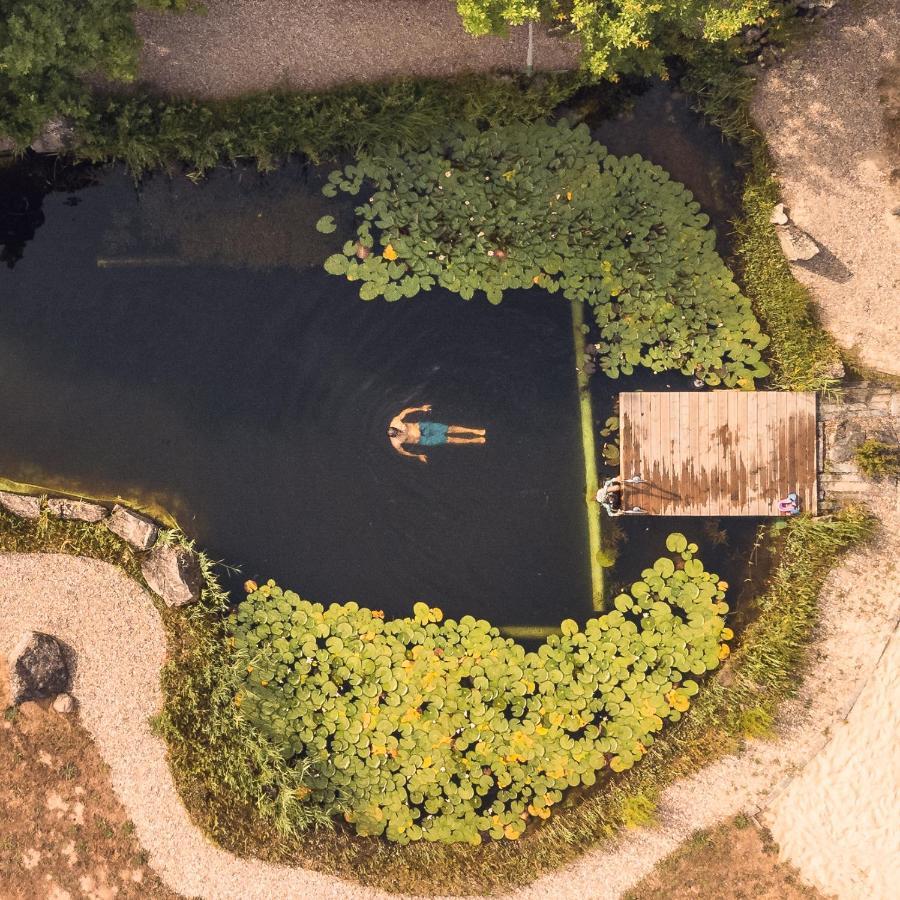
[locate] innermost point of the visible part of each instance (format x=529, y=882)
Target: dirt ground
x=736, y=861
x=63, y=834
x=829, y=113
x=239, y=46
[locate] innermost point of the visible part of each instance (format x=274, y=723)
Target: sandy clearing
x=821, y=113
x=839, y=820
x=114, y=628
x=241, y=46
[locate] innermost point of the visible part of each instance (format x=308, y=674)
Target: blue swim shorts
x=432, y=433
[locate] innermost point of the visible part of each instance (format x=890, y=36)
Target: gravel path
x=822, y=113
x=114, y=628
x=240, y=46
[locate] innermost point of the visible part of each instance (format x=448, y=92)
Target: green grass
x=803, y=356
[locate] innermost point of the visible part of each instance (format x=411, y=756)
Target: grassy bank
x=802, y=355
x=226, y=775
x=146, y=132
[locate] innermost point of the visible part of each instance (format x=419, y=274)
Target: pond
x=182, y=343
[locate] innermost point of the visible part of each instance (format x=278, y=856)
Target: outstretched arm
x=412, y=409
x=404, y=452
x=398, y=446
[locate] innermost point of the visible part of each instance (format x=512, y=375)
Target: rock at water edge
x=37, y=668
x=79, y=510
x=174, y=574
x=57, y=136
x=132, y=527
x=21, y=505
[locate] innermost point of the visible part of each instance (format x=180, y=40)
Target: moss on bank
x=209, y=747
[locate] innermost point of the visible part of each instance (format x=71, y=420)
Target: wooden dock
x=717, y=453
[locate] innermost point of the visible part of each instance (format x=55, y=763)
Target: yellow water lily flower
x=389, y=252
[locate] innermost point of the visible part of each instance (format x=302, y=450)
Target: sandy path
x=113, y=626
x=253, y=45
x=821, y=114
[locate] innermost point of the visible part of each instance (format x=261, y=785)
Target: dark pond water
x=182, y=343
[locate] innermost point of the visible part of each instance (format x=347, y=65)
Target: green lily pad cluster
x=425, y=729
x=543, y=205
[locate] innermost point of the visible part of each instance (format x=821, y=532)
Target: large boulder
x=174, y=574
x=21, y=505
x=796, y=244
x=135, y=529
x=79, y=510
x=57, y=136
x=37, y=668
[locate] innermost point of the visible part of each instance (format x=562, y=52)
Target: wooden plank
x=781, y=445
x=753, y=467
x=770, y=458
x=690, y=474
x=685, y=450
x=673, y=493
x=720, y=484
x=701, y=466
x=811, y=451
x=656, y=438
x=738, y=465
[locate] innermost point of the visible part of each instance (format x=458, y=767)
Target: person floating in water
x=428, y=434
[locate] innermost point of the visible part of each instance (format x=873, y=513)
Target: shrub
x=878, y=459
x=544, y=205
x=622, y=36
x=445, y=731
x=47, y=46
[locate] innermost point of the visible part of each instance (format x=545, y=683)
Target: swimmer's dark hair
x=393, y=432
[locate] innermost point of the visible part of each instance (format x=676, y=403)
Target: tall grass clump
x=878, y=459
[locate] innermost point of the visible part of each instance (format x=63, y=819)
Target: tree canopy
x=621, y=36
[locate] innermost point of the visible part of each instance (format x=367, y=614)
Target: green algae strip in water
x=529, y=632
x=151, y=508
x=592, y=508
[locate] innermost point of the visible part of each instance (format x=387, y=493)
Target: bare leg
x=462, y=431
x=475, y=439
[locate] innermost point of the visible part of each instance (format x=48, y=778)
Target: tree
x=621, y=36
x=48, y=47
